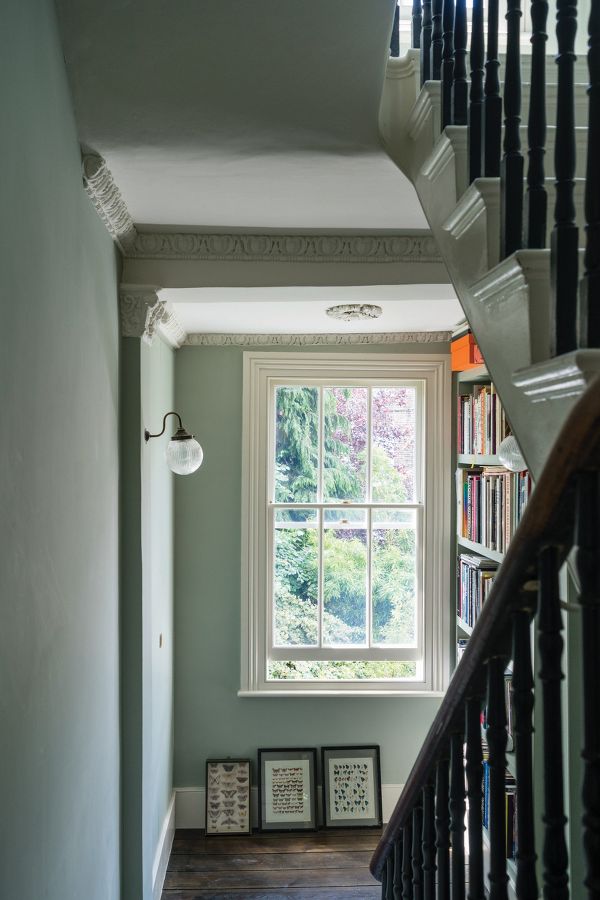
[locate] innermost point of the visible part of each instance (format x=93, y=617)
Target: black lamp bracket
x=180, y=435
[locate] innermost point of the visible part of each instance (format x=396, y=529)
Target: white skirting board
x=190, y=804
x=163, y=849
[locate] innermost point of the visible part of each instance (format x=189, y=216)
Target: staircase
x=522, y=247
x=507, y=298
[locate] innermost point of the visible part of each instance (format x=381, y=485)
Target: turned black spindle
x=389, y=878
x=522, y=698
x=416, y=24
x=442, y=828
x=397, y=883
x=426, y=29
x=496, y=736
x=457, y=816
x=474, y=770
x=550, y=642
x=428, y=842
x=460, y=86
x=492, y=100
x=475, y=132
x=447, y=71
x=437, y=7
x=511, y=172
x=407, y=888
x=537, y=199
x=564, y=240
x=589, y=312
x=395, y=39
x=588, y=536
x=417, y=853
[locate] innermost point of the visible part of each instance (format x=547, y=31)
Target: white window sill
x=342, y=693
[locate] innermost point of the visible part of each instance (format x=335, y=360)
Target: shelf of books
x=490, y=501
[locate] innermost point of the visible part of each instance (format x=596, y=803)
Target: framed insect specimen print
x=228, y=783
x=287, y=789
x=351, y=787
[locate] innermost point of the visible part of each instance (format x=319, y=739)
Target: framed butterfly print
x=287, y=789
x=228, y=784
x=351, y=787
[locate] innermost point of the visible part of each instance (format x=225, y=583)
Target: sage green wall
x=59, y=702
x=147, y=610
x=210, y=720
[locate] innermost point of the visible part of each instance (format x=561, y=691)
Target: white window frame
x=262, y=372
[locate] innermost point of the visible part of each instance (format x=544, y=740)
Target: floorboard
x=327, y=865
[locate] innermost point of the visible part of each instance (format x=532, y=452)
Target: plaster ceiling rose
x=350, y=312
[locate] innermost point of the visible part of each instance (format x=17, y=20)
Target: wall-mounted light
x=183, y=454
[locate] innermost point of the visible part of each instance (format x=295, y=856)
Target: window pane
x=345, y=436
x=285, y=516
x=296, y=444
x=351, y=517
x=394, y=583
x=344, y=586
x=341, y=670
x=296, y=592
x=393, y=467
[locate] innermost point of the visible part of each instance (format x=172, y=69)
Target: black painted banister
x=475, y=130
x=416, y=24
x=437, y=7
x=565, y=234
x=537, y=200
x=492, y=99
x=460, y=86
x=542, y=542
x=426, y=30
x=395, y=38
x=589, y=314
x=511, y=172
x=447, y=74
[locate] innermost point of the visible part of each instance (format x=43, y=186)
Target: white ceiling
x=235, y=114
x=301, y=310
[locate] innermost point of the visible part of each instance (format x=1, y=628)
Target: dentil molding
x=314, y=340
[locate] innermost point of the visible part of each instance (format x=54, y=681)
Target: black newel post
x=416, y=24
x=475, y=132
x=589, y=314
x=564, y=241
x=437, y=7
x=537, y=200
x=460, y=87
x=492, y=98
x=511, y=189
x=426, y=42
x=447, y=76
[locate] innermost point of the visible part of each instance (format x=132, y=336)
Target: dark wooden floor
x=327, y=865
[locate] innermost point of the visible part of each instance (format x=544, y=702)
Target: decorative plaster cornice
x=314, y=340
x=143, y=315
x=381, y=248
x=106, y=197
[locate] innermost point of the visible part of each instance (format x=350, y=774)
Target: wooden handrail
x=548, y=518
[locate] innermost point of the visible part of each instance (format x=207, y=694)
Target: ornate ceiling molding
x=380, y=248
x=106, y=197
x=313, y=340
x=143, y=315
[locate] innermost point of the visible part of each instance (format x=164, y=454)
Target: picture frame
x=228, y=796
x=287, y=789
x=351, y=786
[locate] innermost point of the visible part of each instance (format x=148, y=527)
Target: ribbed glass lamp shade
x=184, y=456
x=510, y=456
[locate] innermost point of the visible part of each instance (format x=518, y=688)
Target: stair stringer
x=506, y=303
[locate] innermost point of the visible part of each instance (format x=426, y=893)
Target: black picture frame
x=294, y=787
x=228, y=796
x=361, y=794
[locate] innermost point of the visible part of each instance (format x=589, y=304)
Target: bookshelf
x=489, y=504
